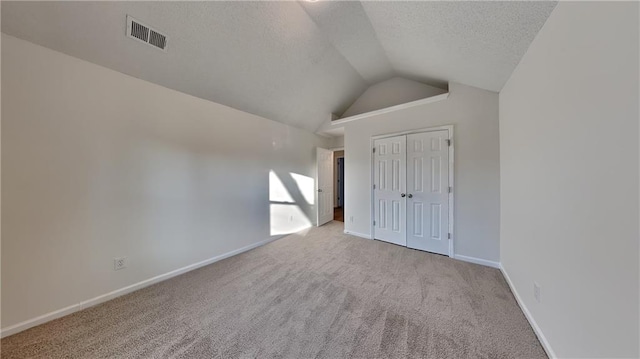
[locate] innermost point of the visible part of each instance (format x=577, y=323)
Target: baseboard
x=475, y=260
x=16, y=328
x=367, y=236
x=543, y=340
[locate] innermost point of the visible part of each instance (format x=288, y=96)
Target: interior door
x=428, y=191
x=389, y=189
x=324, y=164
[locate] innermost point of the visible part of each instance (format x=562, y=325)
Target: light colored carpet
x=320, y=295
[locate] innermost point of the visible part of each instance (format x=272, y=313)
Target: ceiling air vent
x=157, y=39
x=141, y=32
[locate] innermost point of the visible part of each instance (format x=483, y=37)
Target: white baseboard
x=16, y=328
x=543, y=340
x=367, y=236
x=475, y=260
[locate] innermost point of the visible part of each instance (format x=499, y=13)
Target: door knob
x=410, y=195
x=402, y=195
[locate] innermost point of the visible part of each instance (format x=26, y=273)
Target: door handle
x=410, y=195
x=319, y=190
x=402, y=195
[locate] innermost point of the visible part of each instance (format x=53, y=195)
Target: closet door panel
x=389, y=186
x=428, y=191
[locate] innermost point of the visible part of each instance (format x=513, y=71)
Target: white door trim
x=449, y=129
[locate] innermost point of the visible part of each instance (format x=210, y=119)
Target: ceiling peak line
x=347, y=28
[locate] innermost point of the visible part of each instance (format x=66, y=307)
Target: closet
x=411, y=190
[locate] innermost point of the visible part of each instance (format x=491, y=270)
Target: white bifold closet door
x=390, y=164
x=420, y=197
x=428, y=191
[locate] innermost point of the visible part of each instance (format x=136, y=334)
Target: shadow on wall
x=291, y=197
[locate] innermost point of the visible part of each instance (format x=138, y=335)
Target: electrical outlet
x=119, y=263
x=536, y=292
x=351, y=219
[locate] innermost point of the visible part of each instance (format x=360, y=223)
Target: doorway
x=338, y=195
x=412, y=191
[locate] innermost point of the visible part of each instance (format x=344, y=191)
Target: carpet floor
x=319, y=294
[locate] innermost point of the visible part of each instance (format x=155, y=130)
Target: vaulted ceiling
x=293, y=62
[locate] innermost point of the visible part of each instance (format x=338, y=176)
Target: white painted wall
x=97, y=164
x=394, y=91
x=474, y=114
x=569, y=180
x=337, y=142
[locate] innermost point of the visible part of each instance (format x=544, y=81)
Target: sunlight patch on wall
x=287, y=218
x=277, y=190
x=306, y=185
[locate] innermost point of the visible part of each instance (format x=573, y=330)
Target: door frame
x=334, y=150
x=449, y=129
x=337, y=188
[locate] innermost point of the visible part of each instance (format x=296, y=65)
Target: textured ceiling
x=474, y=43
x=348, y=28
x=293, y=62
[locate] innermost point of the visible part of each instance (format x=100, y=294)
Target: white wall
x=337, y=142
x=474, y=114
x=394, y=91
x=97, y=164
x=569, y=175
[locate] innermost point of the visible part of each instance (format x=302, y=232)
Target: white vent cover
x=141, y=32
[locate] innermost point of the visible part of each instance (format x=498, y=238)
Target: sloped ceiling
x=293, y=62
x=394, y=91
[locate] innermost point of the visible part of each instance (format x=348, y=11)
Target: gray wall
x=97, y=165
x=569, y=174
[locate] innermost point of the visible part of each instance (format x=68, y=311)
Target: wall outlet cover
x=119, y=263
